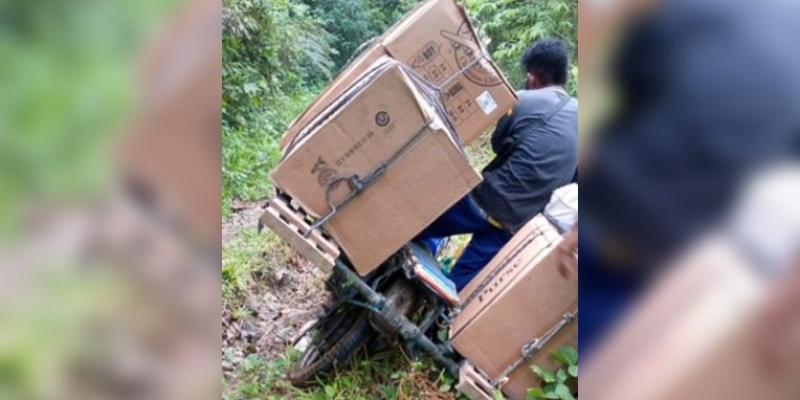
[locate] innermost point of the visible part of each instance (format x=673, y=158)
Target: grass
x=388, y=376
x=239, y=260
x=248, y=261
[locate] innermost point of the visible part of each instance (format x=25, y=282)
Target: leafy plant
x=511, y=26
x=557, y=385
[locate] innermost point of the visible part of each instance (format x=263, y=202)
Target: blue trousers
x=463, y=218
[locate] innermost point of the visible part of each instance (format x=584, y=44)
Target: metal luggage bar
x=395, y=320
x=533, y=347
x=358, y=185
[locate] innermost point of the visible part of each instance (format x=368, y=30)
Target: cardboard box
x=369, y=125
x=440, y=44
x=699, y=333
x=521, y=380
x=517, y=298
x=538, y=234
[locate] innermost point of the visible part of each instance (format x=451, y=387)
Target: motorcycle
x=407, y=298
x=393, y=303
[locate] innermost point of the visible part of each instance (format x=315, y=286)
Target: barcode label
x=486, y=101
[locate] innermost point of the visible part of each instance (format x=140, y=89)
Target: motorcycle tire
x=337, y=339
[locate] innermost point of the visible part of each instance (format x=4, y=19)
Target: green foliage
x=271, y=49
x=252, y=253
x=557, y=385
x=67, y=86
x=349, y=22
x=276, y=56
x=513, y=25
x=389, y=378
x=353, y=22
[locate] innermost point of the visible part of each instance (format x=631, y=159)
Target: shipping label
x=486, y=102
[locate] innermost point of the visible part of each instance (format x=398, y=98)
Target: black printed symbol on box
x=382, y=118
x=466, y=53
x=324, y=172
x=429, y=63
x=356, y=146
x=459, y=103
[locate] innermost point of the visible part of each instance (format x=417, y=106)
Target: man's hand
x=779, y=325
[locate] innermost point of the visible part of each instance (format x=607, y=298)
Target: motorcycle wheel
x=335, y=339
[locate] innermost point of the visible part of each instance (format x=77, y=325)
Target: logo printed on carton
x=382, y=118
x=466, y=54
x=426, y=55
x=324, y=172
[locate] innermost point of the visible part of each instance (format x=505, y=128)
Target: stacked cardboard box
x=423, y=89
x=387, y=139
x=438, y=42
x=519, y=297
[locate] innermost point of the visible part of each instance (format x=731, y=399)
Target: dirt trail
x=286, y=294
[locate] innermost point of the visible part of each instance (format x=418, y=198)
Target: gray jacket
x=537, y=152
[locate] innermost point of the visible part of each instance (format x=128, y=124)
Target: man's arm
x=501, y=132
x=522, y=184
x=567, y=254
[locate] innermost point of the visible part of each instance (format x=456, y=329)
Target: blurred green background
x=68, y=84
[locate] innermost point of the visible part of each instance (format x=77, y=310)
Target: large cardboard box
x=700, y=333
x=440, y=44
x=519, y=297
x=387, y=122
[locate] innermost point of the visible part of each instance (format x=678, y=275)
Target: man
x=536, y=152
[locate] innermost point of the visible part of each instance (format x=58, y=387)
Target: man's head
x=546, y=63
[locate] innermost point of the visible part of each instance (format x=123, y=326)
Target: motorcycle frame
x=397, y=321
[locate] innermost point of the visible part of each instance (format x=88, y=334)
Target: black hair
x=548, y=59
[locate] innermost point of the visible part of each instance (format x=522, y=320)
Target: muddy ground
x=286, y=293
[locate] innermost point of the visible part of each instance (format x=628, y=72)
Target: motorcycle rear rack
x=291, y=226
x=473, y=383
